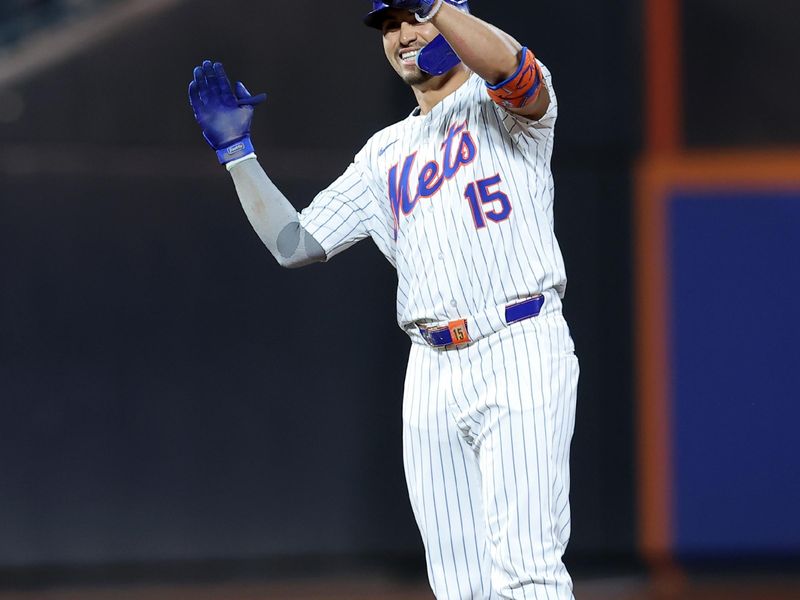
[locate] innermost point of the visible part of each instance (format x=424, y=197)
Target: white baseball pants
x=486, y=439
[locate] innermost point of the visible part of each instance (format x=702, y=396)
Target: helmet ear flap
x=438, y=57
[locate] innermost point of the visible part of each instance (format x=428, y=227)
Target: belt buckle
x=456, y=333
x=459, y=332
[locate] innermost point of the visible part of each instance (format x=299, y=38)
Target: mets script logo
x=458, y=150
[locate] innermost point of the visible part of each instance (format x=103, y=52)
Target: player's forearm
x=486, y=50
x=273, y=217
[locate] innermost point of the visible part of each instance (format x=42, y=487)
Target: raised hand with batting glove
x=223, y=116
x=437, y=57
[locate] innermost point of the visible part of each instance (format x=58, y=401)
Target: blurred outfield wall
x=167, y=392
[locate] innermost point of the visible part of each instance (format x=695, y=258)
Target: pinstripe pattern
x=487, y=427
x=446, y=268
x=486, y=441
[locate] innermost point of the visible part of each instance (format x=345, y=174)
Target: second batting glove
x=223, y=116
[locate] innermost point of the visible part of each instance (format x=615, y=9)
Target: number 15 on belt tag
x=458, y=332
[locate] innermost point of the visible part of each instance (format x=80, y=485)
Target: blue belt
x=456, y=332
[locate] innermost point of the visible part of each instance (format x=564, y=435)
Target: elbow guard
x=297, y=248
x=522, y=88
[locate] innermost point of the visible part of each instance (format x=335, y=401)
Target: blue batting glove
x=420, y=7
x=224, y=117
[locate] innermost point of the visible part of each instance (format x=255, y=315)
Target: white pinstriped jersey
x=460, y=201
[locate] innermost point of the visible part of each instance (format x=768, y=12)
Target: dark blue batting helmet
x=378, y=14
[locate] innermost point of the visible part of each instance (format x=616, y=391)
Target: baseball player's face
x=403, y=38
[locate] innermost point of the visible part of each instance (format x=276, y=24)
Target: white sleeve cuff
x=233, y=163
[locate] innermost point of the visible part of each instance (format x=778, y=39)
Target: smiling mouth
x=409, y=56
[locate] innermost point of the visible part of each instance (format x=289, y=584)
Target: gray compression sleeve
x=273, y=217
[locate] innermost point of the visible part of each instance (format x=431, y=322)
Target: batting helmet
x=378, y=14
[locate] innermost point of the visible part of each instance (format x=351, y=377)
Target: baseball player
x=459, y=198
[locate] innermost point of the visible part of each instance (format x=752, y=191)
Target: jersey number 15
x=481, y=197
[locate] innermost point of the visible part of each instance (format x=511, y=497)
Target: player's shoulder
x=376, y=144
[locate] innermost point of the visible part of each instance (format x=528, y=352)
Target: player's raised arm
x=225, y=117
x=510, y=71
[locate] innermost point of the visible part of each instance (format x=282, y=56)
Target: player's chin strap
x=438, y=57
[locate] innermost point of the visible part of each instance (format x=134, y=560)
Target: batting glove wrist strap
x=428, y=10
x=235, y=151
